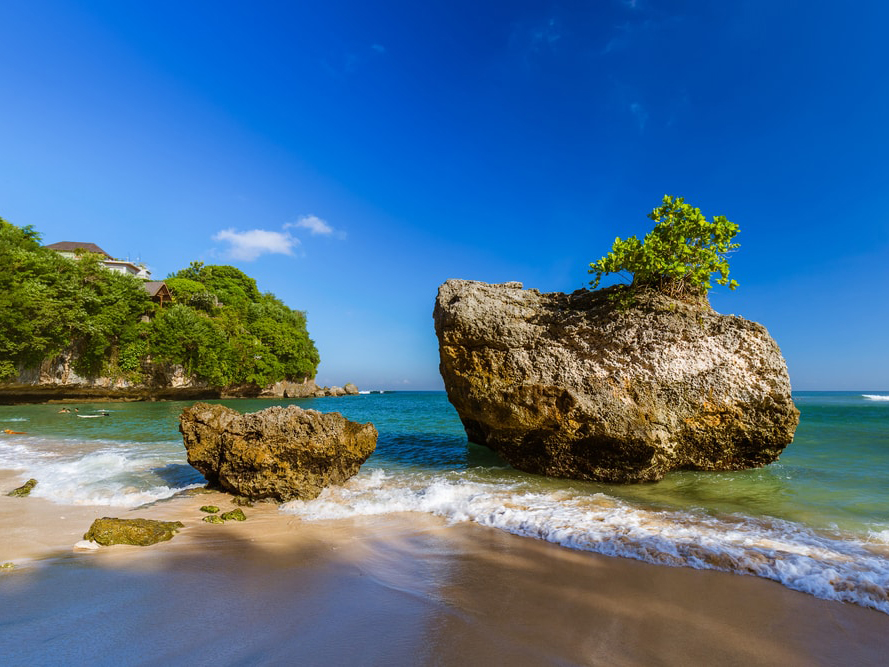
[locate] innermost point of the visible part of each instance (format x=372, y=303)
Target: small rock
x=236, y=514
x=350, y=389
x=139, y=532
x=24, y=489
x=210, y=509
x=243, y=501
x=7, y=566
x=213, y=518
x=198, y=491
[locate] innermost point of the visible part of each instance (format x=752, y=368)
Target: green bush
x=678, y=256
x=220, y=327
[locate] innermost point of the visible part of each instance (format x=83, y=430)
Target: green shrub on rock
x=678, y=256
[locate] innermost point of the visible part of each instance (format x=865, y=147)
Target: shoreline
x=25, y=394
x=398, y=589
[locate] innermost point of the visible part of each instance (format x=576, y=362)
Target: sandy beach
x=397, y=590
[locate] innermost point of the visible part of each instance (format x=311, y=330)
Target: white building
x=71, y=250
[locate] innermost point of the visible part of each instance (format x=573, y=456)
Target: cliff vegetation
x=220, y=328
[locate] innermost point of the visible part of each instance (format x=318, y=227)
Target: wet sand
x=398, y=590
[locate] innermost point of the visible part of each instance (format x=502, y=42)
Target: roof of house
x=71, y=246
x=124, y=262
x=155, y=286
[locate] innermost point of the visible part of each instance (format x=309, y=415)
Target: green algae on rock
x=236, y=514
x=210, y=509
x=139, y=532
x=213, y=518
x=23, y=490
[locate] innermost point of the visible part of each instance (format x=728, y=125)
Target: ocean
x=816, y=521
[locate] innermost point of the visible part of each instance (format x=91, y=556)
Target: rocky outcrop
x=59, y=372
x=290, y=389
x=24, y=489
x=139, y=532
x=582, y=386
x=169, y=385
x=281, y=453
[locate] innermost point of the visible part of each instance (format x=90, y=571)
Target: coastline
x=18, y=394
x=399, y=589
x=24, y=393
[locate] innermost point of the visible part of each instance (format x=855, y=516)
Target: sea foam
x=114, y=475
x=875, y=397
x=824, y=566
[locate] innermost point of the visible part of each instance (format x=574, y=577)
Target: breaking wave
x=792, y=554
x=114, y=474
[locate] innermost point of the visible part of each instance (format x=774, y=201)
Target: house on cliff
x=72, y=249
x=157, y=289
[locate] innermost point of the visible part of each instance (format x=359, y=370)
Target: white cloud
x=379, y=48
x=249, y=245
x=313, y=223
x=316, y=227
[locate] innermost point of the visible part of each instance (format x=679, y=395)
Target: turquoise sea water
x=817, y=520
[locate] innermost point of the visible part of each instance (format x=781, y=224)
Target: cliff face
x=571, y=385
x=59, y=372
x=56, y=379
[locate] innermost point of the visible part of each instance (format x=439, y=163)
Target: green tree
x=180, y=335
x=49, y=304
x=678, y=256
x=220, y=327
x=109, y=306
x=34, y=318
x=192, y=293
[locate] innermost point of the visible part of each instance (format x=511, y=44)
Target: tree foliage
x=678, y=256
x=264, y=340
x=221, y=329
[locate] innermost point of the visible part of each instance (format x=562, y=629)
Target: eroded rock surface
x=140, y=532
x=24, y=490
x=282, y=453
x=573, y=385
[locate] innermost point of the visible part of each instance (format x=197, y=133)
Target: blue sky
x=351, y=156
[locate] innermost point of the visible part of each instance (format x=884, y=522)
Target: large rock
x=281, y=453
x=582, y=386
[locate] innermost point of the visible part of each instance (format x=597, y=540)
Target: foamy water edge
x=789, y=553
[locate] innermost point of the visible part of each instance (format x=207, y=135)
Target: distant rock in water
x=139, y=532
x=577, y=386
x=281, y=453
